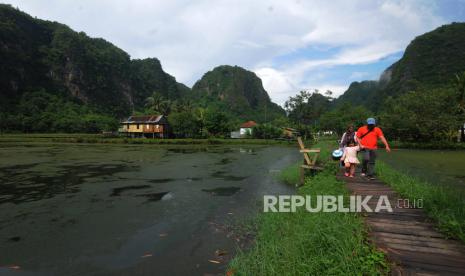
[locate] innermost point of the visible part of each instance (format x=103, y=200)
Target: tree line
x=425, y=115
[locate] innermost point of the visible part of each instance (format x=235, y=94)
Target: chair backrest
x=305, y=152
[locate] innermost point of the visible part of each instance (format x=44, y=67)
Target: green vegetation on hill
x=147, y=76
x=54, y=79
x=63, y=77
x=237, y=91
x=430, y=61
x=358, y=93
x=420, y=98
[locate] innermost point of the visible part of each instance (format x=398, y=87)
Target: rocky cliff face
x=430, y=61
x=42, y=55
x=239, y=91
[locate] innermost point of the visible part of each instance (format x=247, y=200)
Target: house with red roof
x=246, y=128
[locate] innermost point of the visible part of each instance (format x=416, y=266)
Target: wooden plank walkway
x=407, y=236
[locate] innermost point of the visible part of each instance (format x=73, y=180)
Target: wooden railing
x=310, y=160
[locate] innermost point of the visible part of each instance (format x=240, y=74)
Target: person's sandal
x=346, y=174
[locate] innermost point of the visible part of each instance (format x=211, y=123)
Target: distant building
x=246, y=128
x=149, y=126
x=235, y=134
x=244, y=131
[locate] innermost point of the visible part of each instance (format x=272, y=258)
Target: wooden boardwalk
x=406, y=235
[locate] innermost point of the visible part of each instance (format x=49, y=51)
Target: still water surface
x=435, y=166
x=129, y=209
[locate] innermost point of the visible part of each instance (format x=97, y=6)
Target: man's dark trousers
x=368, y=161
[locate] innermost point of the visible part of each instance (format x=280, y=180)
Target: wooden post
x=302, y=176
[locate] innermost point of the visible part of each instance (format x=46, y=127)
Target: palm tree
x=183, y=105
x=200, y=114
x=188, y=105
x=460, y=89
x=165, y=107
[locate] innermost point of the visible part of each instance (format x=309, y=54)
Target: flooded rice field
x=441, y=167
x=129, y=209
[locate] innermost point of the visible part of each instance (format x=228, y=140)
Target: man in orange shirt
x=368, y=138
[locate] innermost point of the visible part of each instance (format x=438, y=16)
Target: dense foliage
x=53, y=79
x=40, y=110
x=345, y=114
x=429, y=115
x=424, y=115
x=238, y=92
x=429, y=62
x=86, y=79
x=307, y=107
x=420, y=98
x=267, y=131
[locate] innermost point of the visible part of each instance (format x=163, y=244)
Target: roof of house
x=248, y=124
x=144, y=119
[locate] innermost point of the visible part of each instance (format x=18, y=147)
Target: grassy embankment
x=445, y=205
x=304, y=243
x=100, y=139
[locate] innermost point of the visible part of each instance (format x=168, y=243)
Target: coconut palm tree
x=165, y=107
x=200, y=114
x=153, y=102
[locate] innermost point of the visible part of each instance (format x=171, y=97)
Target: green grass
x=303, y=243
x=445, y=205
x=290, y=174
x=98, y=138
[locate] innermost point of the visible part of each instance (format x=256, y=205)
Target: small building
x=246, y=128
x=149, y=126
x=235, y=134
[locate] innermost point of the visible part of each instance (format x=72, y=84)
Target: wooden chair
x=309, y=161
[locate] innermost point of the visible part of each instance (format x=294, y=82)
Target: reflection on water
x=224, y=175
x=222, y=191
x=118, y=191
x=31, y=182
x=435, y=166
x=157, y=196
x=96, y=209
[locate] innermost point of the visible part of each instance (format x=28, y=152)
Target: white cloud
x=359, y=75
x=337, y=90
x=192, y=37
x=277, y=84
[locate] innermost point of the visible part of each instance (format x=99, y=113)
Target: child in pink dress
x=350, y=158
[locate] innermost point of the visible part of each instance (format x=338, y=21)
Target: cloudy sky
x=290, y=44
